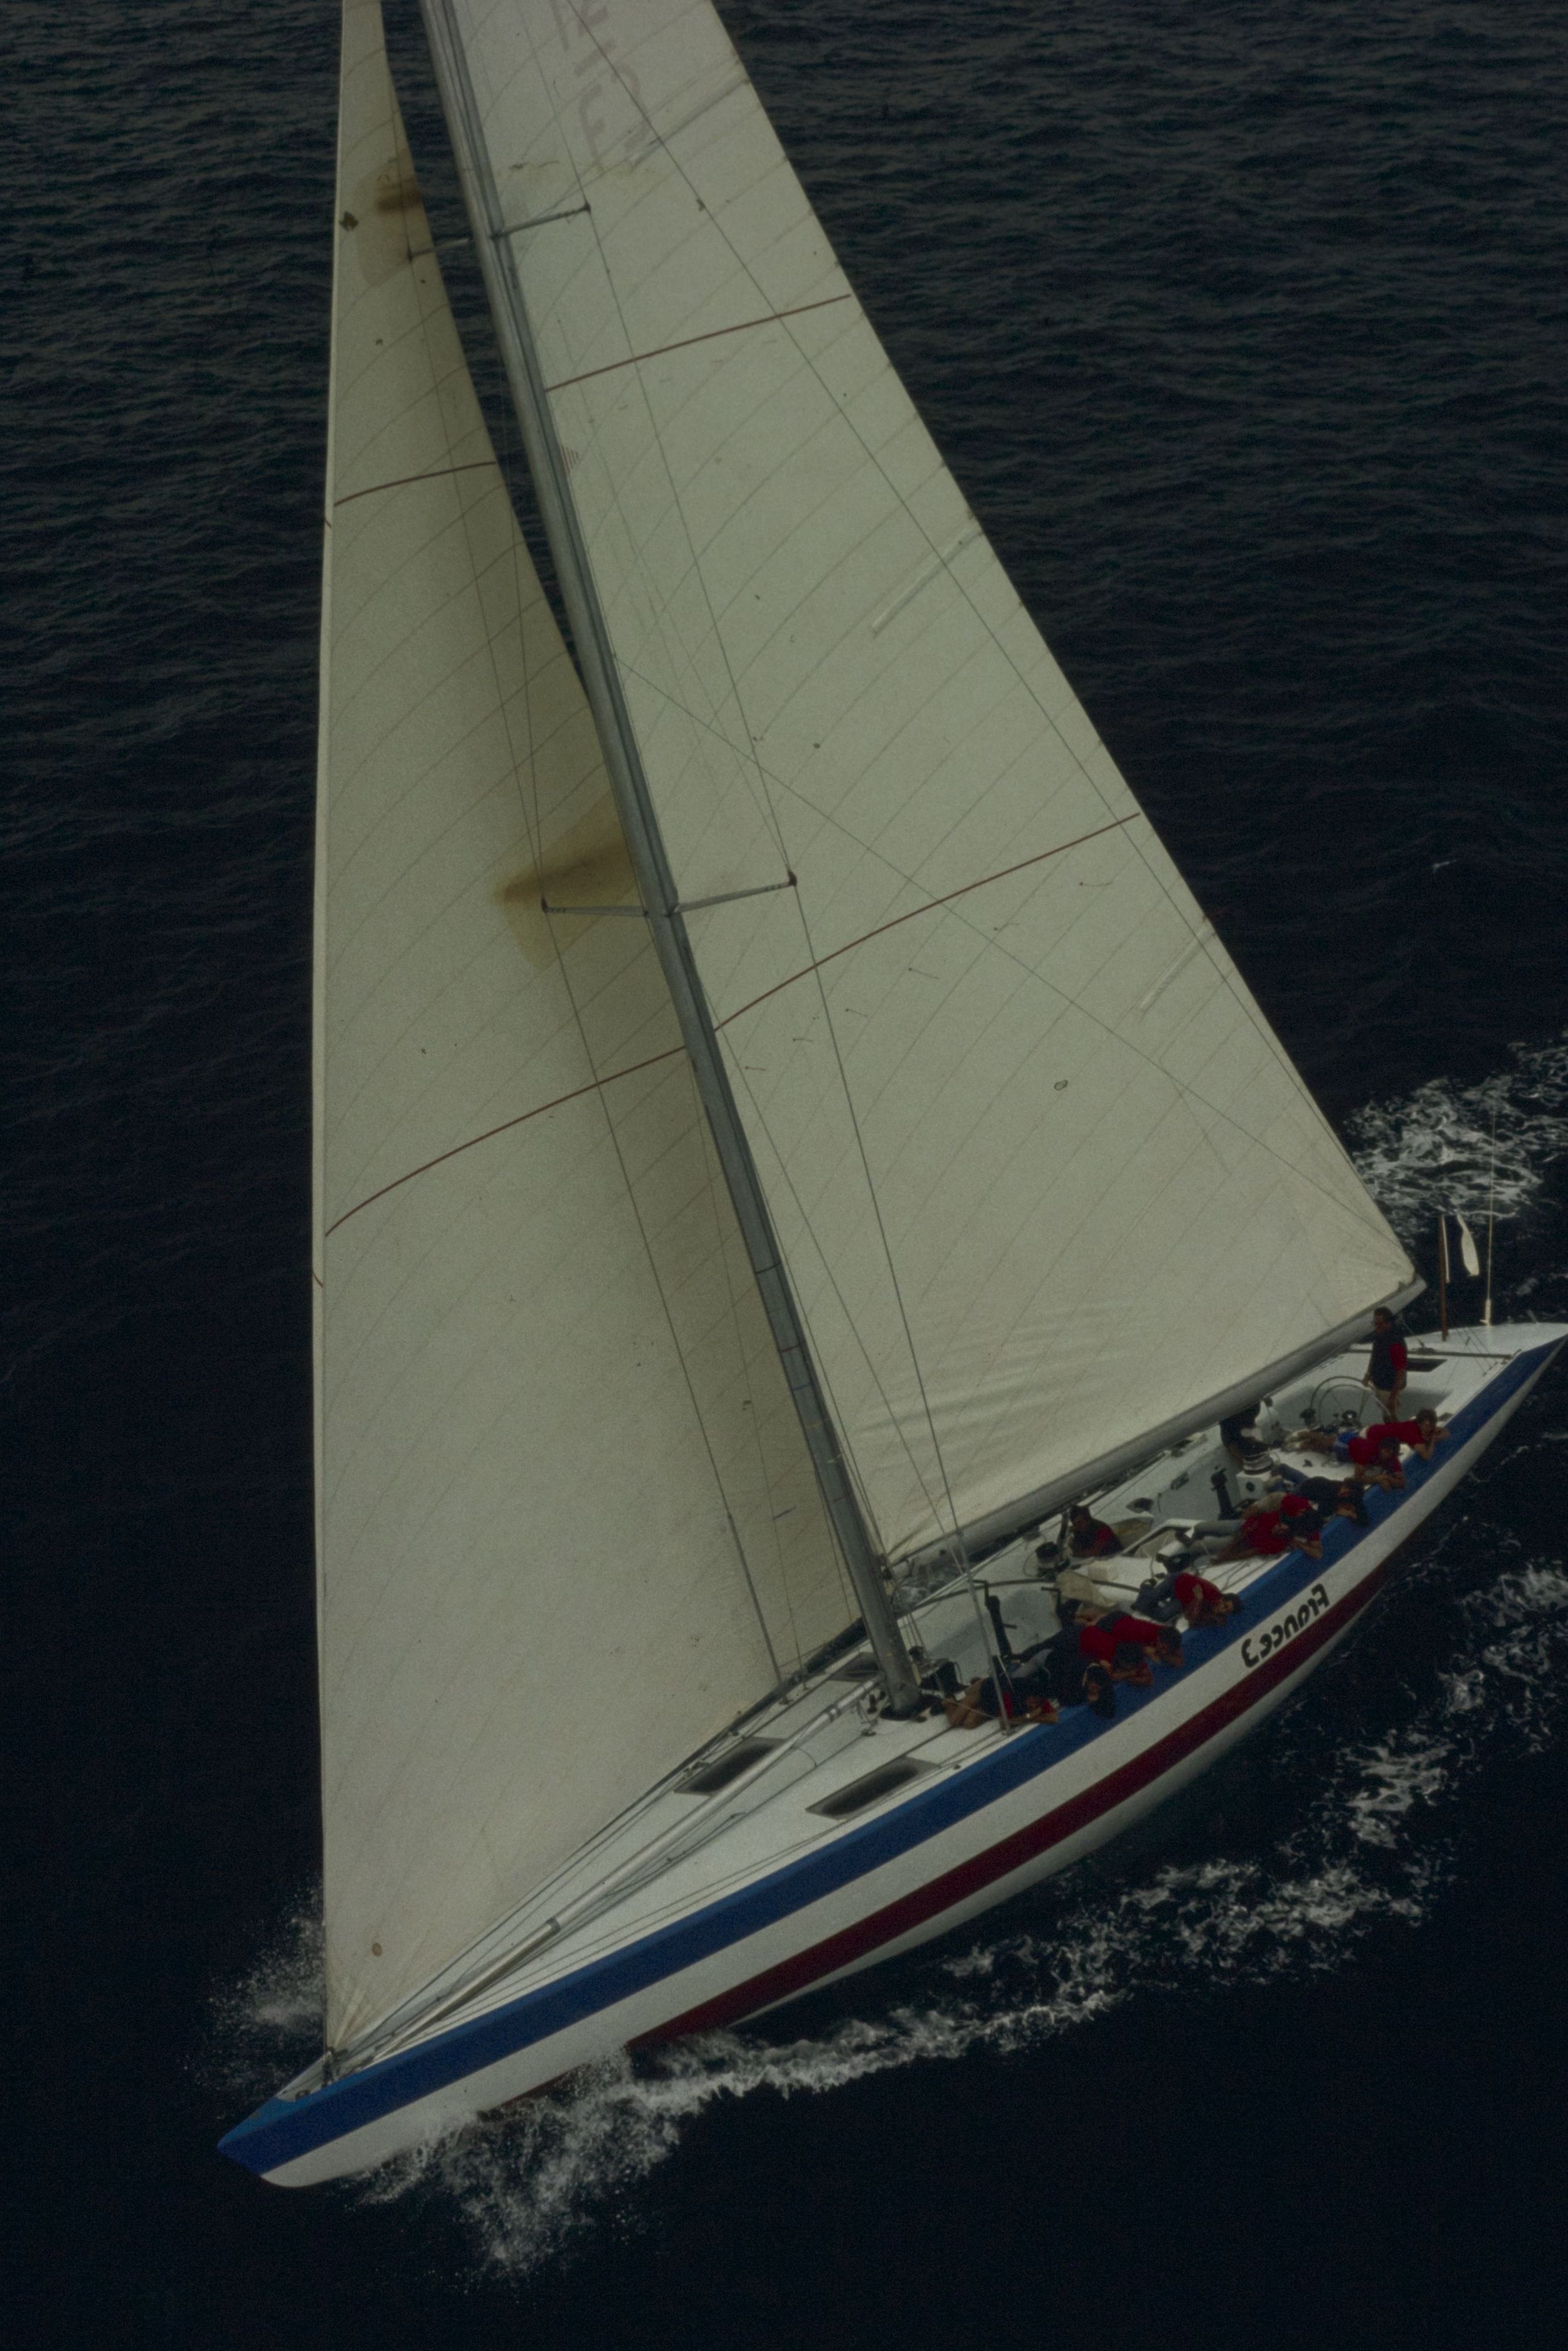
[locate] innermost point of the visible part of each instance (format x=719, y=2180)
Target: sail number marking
x=1257, y=1647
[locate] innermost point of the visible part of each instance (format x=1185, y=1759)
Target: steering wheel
x=1334, y=1397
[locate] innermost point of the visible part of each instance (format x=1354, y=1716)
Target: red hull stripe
x=982, y=1869
x=283, y=2130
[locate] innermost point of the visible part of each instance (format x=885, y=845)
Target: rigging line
x=713, y=1180
x=838, y=407
x=433, y=314
x=830, y=1277
x=890, y=1261
x=930, y=906
x=688, y=1377
x=632, y=1068
x=750, y=760
x=1249, y=1011
x=539, y=219
x=1184, y=1093
x=525, y=605
x=439, y=474
x=713, y=1176
x=634, y=95
x=741, y=327
x=659, y=1282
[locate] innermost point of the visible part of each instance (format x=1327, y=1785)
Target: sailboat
x=784, y=1130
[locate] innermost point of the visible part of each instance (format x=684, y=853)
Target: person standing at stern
x=1385, y=1371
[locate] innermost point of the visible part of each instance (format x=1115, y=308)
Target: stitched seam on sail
x=557, y=1100
x=440, y=473
x=431, y=311
x=1156, y=874
x=660, y=351
x=536, y=834
x=754, y=764
x=1375, y=1225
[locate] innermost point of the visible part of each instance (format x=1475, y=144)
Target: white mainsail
x=1043, y=1177
x=543, y=1369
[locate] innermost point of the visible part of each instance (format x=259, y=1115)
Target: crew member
x=1289, y=1524
x=1024, y=1700
x=1422, y=1434
x=1333, y=1500
x=1389, y=1362
x=1372, y=1453
x=1126, y=1644
x=1091, y=1538
x=1203, y=1604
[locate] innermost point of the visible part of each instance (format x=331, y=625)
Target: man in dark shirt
x=1389, y=1364
x=1091, y=1538
x=1055, y=1670
x=1333, y=1500
x=1025, y=1698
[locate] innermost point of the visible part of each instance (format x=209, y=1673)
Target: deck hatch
x=869, y=1786
x=709, y=1778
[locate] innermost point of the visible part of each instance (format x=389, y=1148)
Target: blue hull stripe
x=285, y=2128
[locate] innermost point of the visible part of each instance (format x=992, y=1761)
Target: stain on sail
x=588, y=865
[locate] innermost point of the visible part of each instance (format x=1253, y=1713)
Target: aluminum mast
x=493, y=237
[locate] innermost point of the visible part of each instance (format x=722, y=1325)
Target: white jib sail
x=1043, y=1176
x=550, y=1419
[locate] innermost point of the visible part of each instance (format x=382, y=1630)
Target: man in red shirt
x=1290, y=1524
x=1421, y=1435
x=1203, y=1604
x=1124, y=1644
x=1373, y=1454
x=1089, y=1537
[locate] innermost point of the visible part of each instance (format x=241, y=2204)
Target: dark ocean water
x=1244, y=327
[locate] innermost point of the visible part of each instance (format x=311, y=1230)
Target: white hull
x=1006, y=1812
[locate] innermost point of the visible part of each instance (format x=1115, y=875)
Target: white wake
x=1433, y=1149
x=1371, y=1848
